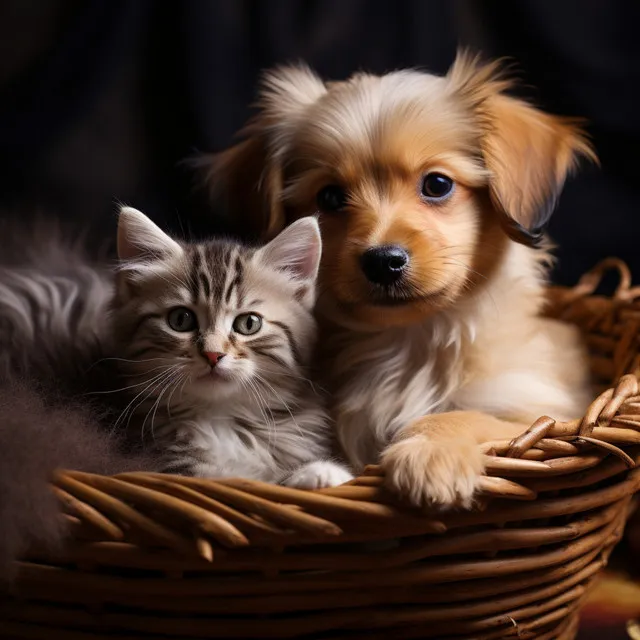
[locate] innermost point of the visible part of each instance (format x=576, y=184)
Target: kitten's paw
x=318, y=475
x=440, y=473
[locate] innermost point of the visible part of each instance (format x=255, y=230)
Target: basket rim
x=520, y=475
x=234, y=512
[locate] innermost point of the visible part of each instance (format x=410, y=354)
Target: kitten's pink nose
x=213, y=357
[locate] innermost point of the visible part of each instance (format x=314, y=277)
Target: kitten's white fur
x=318, y=474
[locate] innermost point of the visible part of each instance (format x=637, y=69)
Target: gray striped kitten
x=216, y=338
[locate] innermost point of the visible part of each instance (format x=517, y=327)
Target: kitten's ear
x=296, y=250
x=139, y=238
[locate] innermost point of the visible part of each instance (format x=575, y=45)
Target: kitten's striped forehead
x=216, y=271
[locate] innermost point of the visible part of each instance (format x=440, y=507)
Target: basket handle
x=591, y=280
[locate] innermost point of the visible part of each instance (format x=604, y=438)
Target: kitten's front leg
x=197, y=466
x=318, y=475
x=187, y=455
x=436, y=460
x=192, y=463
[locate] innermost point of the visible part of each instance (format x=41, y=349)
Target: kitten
x=197, y=349
x=216, y=337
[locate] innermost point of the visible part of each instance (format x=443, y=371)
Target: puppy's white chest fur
x=386, y=380
x=491, y=354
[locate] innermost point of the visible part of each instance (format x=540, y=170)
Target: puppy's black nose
x=384, y=265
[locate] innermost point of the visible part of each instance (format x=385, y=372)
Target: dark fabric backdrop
x=101, y=100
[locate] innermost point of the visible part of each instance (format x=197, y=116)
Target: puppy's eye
x=182, y=319
x=331, y=198
x=436, y=186
x=247, y=324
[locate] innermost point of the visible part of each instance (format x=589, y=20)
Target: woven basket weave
x=168, y=557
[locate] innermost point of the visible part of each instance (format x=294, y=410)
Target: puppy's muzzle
x=384, y=265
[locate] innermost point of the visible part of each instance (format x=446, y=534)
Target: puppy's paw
x=318, y=475
x=441, y=472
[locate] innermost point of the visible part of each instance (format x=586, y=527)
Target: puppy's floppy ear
x=246, y=182
x=528, y=153
x=248, y=178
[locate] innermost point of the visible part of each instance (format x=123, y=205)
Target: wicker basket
x=168, y=557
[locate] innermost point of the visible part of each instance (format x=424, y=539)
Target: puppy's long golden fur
x=454, y=352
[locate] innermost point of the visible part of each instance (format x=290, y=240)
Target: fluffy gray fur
x=52, y=333
x=91, y=371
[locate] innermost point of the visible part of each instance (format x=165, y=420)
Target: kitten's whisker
x=247, y=386
x=156, y=404
x=128, y=408
x=263, y=404
x=162, y=366
x=282, y=400
x=132, y=386
x=301, y=378
x=114, y=359
x=187, y=381
x=146, y=397
x=128, y=360
x=178, y=381
x=131, y=409
x=251, y=386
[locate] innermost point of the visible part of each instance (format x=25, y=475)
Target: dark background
x=101, y=100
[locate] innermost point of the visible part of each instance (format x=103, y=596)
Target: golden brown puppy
x=432, y=193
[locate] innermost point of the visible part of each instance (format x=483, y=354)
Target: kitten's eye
x=436, y=186
x=182, y=319
x=247, y=324
x=331, y=198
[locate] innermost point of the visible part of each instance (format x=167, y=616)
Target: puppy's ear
x=246, y=182
x=528, y=153
x=248, y=178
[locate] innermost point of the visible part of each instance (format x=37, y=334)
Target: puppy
x=433, y=194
